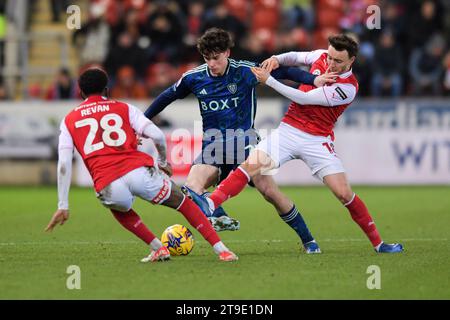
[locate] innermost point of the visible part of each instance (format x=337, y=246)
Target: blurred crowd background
x=146, y=45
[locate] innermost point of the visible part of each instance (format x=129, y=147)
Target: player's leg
x=197, y=219
x=256, y=163
x=270, y=153
x=287, y=210
x=155, y=186
x=220, y=219
x=340, y=187
x=319, y=154
x=118, y=198
x=200, y=178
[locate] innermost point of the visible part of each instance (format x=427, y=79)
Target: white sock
x=377, y=248
x=156, y=244
x=211, y=204
x=220, y=247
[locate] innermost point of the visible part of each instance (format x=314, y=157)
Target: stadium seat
x=301, y=37
x=239, y=9
x=320, y=37
x=267, y=36
x=266, y=14
x=160, y=74
x=336, y=5
x=328, y=18
x=184, y=68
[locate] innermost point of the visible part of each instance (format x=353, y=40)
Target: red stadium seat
x=337, y=5
x=266, y=14
x=268, y=38
x=159, y=73
x=265, y=19
x=239, y=8
x=301, y=37
x=328, y=18
x=184, y=68
x=320, y=38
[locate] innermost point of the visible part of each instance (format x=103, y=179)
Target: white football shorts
x=288, y=143
x=147, y=183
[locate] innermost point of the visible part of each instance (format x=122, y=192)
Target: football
x=178, y=239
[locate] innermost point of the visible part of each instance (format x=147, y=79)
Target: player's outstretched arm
x=178, y=91
x=64, y=176
x=329, y=96
x=292, y=58
x=147, y=129
x=294, y=74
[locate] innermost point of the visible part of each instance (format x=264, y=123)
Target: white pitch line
x=33, y=243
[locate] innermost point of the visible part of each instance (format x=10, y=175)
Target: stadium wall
x=381, y=142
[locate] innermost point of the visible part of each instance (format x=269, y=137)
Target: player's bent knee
x=344, y=195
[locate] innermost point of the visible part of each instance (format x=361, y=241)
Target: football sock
x=197, y=199
x=219, y=211
x=132, y=222
x=220, y=247
x=230, y=187
x=361, y=216
x=156, y=244
x=295, y=220
x=197, y=219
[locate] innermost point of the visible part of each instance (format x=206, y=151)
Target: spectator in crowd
x=387, y=67
x=166, y=33
x=393, y=18
x=362, y=68
x=221, y=18
x=58, y=7
x=127, y=86
x=298, y=13
x=425, y=67
x=92, y=40
x=126, y=52
x=427, y=21
x=129, y=23
x=252, y=49
x=64, y=88
x=196, y=11
x=195, y=16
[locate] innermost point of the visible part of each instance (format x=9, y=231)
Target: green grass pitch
x=33, y=264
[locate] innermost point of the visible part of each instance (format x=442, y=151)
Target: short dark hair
x=344, y=42
x=214, y=40
x=92, y=81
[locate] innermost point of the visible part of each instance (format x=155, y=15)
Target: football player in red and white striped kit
x=306, y=131
x=104, y=133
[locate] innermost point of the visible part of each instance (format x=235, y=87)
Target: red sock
x=361, y=216
x=132, y=222
x=197, y=219
x=230, y=187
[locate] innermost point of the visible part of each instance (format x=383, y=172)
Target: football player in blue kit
x=225, y=89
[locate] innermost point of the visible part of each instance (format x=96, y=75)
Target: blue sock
x=199, y=200
x=219, y=210
x=295, y=220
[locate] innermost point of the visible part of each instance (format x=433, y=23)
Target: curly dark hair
x=214, y=40
x=344, y=42
x=93, y=81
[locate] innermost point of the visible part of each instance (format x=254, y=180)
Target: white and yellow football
x=178, y=239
